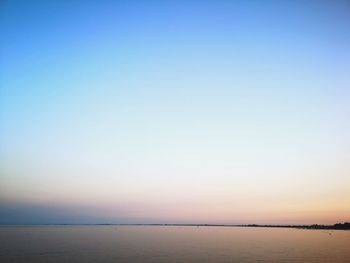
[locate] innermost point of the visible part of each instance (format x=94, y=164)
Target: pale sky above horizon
x=175, y=112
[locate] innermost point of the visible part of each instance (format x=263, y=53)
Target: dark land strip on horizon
x=338, y=226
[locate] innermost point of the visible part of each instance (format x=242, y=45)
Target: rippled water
x=171, y=244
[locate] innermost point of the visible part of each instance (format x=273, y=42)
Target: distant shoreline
x=339, y=226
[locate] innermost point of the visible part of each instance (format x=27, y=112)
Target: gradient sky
x=175, y=112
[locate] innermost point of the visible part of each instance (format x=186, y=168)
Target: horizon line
x=178, y=224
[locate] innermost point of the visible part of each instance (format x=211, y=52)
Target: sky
x=174, y=112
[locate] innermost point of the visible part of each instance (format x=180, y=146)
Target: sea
x=181, y=244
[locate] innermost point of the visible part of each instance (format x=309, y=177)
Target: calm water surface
x=171, y=244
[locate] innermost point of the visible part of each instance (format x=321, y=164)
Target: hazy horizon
x=224, y=112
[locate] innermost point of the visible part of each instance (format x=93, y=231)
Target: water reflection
x=170, y=244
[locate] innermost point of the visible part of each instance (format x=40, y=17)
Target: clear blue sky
x=175, y=111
